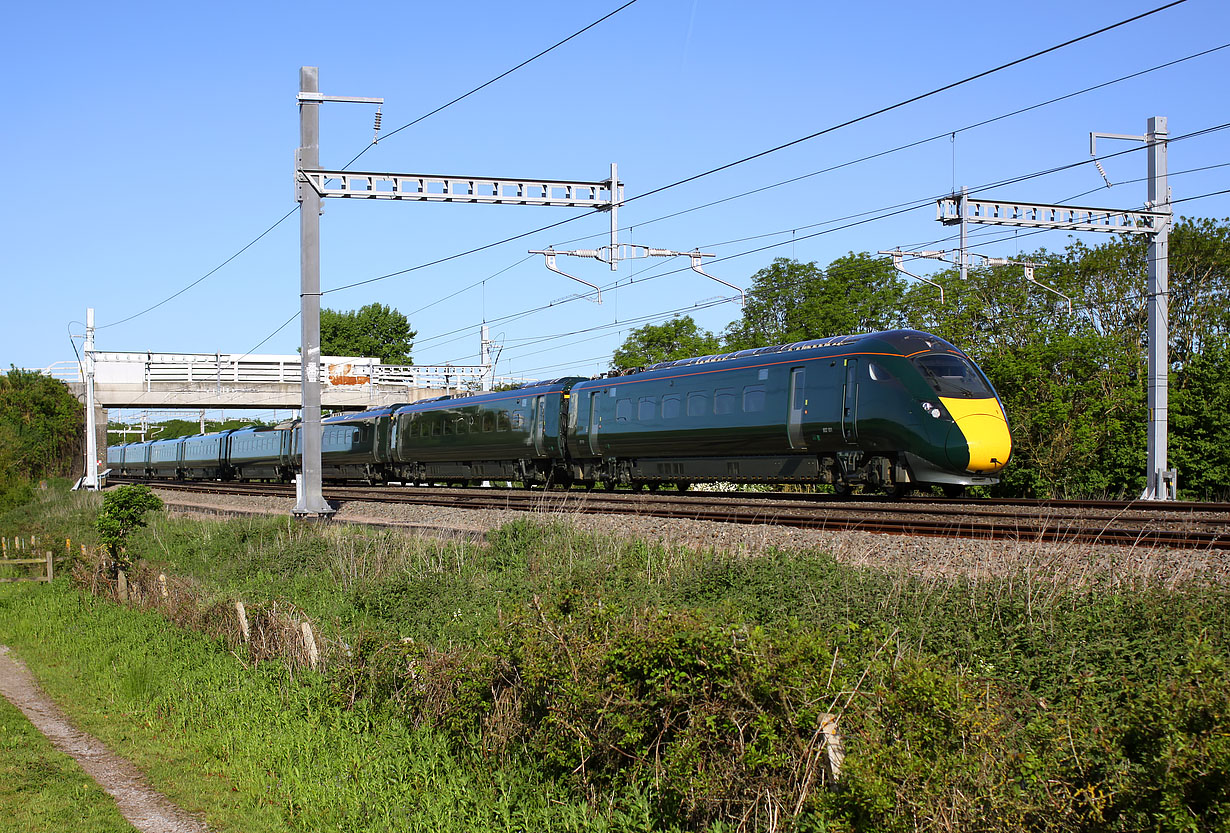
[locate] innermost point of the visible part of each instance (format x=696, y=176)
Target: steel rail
x=953, y=521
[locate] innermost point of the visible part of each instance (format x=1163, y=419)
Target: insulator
x=376, y=127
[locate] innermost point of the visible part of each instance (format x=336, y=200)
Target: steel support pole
x=614, y=218
x=310, y=499
x=485, y=358
x=1161, y=485
x=964, y=237
x=90, y=476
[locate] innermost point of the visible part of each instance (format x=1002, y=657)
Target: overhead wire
x=772, y=150
x=421, y=118
x=879, y=214
x=905, y=102
x=920, y=142
x=899, y=148
x=488, y=83
x=769, y=151
x=172, y=297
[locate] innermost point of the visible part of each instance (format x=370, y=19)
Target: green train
x=895, y=410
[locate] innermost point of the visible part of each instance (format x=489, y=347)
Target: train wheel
x=653, y=487
x=683, y=485
x=610, y=485
x=954, y=490
x=842, y=489
x=900, y=490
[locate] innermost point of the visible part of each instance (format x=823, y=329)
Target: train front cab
x=971, y=430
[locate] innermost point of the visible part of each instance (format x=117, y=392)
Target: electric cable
x=887, y=212
x=348, y=164
x=486, y=84
x=899, y=148
x=919, y=142
x=905, y=102
x=252, y=243
x=771, y=150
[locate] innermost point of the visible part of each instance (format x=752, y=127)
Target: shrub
x=123, y=510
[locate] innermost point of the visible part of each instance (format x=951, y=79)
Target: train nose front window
x=953, y=375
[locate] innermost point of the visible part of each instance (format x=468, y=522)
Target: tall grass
x=595, y=681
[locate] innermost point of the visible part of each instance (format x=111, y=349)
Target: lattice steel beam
x=428, y=188
x=1040, y=215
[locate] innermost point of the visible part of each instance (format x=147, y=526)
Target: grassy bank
x=559, y=680
x=44, y=791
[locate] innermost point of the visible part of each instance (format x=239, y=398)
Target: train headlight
x=931, y=409
x=935, y=412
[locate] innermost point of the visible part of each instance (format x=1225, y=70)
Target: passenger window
x=448, y=427
x=502, y=423
x=724, y=401
x=488, y=422
x=646, y=409
x=435, y=428
x=518, y=419
x=698, y=404
x=753, y=399
x=623, y=410
x=672, y=406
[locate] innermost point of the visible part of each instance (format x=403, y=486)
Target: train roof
x=545, y=386
x=906, y=341
x=371, y=413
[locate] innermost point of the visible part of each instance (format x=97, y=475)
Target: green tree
x=792, y=301
x=678, y=338
x=123, y=511
x=41, y=429
x=1200, y=423
x=1073, y=382
x=375, y=331
x=1071, y=393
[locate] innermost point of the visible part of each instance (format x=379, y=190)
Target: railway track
x=1130, y=523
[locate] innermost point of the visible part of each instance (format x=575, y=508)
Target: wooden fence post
x=243, y=621
x=162, y=585
x=834, y=752
x=309, y=642
x=50, y=567
x=123, y=586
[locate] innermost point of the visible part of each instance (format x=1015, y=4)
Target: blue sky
x=147, y=143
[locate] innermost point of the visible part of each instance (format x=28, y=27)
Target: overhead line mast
x=313, y=184
x=1155, y=221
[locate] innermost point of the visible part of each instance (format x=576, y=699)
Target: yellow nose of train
x=979, y=442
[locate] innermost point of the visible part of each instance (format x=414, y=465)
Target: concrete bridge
x=222, y=380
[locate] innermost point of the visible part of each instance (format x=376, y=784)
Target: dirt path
x=147, y=810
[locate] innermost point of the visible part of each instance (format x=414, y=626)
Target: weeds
x=644, y=686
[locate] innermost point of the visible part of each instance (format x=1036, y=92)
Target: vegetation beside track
x=559, y=680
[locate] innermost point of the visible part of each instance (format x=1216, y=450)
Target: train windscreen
x=953, y=375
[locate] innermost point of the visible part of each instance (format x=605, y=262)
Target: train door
x=849, y=410
x=593, y=422
x=537, y=419
x=798, y=407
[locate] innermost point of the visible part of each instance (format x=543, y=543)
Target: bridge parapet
x=222, y=380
